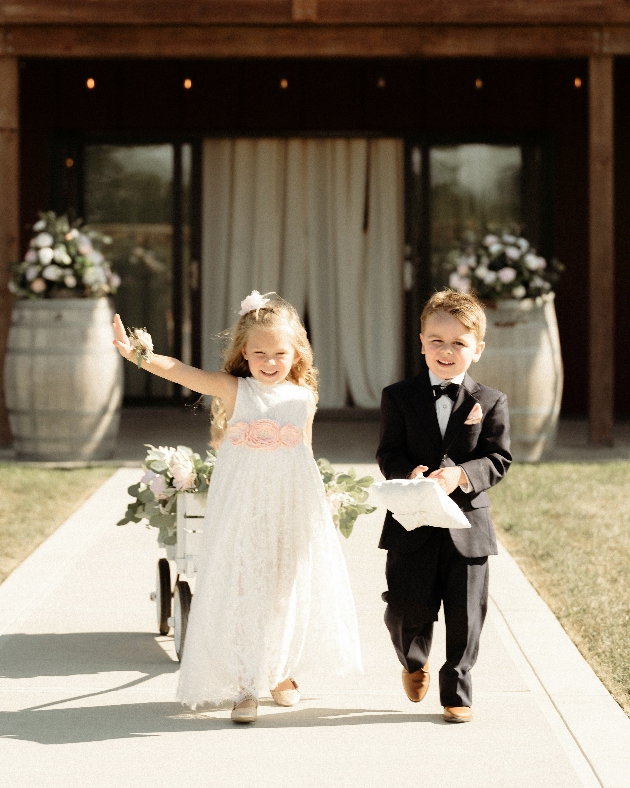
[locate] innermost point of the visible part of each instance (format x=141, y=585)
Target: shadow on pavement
x=131, y=720
x=78, y=653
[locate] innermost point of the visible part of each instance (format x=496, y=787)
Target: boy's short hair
x=466, y=307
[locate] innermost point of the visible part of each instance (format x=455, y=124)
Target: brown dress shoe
x=416, y=684
x=457, y=713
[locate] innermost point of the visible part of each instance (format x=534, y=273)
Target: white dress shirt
x=443, y=408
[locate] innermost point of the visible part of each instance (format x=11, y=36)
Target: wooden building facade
x=550, y=78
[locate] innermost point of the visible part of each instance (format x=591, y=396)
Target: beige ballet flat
x=288, y=697
x=245, y=711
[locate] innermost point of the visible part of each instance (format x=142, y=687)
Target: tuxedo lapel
x=462, y=406
x=424, y=404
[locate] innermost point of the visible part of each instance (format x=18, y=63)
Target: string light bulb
x=90, y=84
x=69, y=162
x=478, y=83
x=381, y=83
x=284, y=84
x=187, y=84
x=577, y=82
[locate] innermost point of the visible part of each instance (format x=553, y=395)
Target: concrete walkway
x=86, y=687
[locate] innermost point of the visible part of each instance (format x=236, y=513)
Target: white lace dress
x=272, y=590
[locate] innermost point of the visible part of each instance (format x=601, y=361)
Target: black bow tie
x=451, y=390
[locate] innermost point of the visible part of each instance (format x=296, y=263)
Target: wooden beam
x=304, y=10
x=601, y=250
x=311, y=40
x=351, y=12
x=9, y=211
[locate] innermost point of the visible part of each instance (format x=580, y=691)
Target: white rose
x=148, y=477
x=524, y=244
x=509, y=239
x=538, y=282
x=32, y=272
x=490, y=278
x=70, y=281
x=519, y=291
x=38, y=286
x=490, y=240
x=43, y=239
x=52, y=272
x=496, y=249
x=184, y=475
x=459, y=283
x=45, y=255
x=531, y=261
x=462, y=269
x=13, y=288
x=31, y=256
x=512, y=253
x=39, y=226
x=481, y=271
x=61, y=255
x=72, y=234
x=507, y=275
x=95, y=257
x=94, y=276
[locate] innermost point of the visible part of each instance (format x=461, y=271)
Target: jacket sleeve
x=493, y=449
x=391, y=455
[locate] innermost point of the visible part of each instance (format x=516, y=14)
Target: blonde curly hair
x=276, y=315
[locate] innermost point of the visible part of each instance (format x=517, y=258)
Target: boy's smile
x=448, y=346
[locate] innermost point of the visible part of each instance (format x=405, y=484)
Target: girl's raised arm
x=215, y=384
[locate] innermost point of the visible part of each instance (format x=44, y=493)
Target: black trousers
x=418, y=582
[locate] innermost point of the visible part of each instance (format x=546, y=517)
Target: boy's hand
x=122, y=340
x=449, y=478
x=418, y=471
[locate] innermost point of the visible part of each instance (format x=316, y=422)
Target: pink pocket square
x=475, y=415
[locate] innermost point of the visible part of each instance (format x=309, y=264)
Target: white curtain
x=318, y=221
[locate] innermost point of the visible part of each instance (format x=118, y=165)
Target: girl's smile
x=270, y=355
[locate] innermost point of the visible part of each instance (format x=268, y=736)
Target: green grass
x=568, y=526
x=35, y=502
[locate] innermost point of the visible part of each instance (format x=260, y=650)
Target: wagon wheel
x=163, y=595
x=181, y=607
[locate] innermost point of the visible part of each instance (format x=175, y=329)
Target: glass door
x=456, y=192
x=142, y=196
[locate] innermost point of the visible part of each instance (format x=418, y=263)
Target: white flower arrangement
x=168, y=471
x=142, y=342
x=502, y=266
x=64, y=260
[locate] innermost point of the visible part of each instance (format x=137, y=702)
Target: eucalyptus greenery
x=167, y=472
x=346, y=495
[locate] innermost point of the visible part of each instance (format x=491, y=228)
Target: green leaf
x=134, y=490
x=160, y=520
x=146, y=496
x=158, y=466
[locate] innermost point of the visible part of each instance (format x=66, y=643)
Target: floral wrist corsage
x=141, y=342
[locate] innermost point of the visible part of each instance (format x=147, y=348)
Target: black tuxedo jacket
x=410, y=436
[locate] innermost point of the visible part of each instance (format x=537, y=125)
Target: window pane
x=128, y=195
x=472, y=186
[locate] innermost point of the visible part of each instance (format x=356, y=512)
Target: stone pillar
x=9, y=210
x=601, y=249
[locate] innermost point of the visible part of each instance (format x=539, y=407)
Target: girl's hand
x=122, y=340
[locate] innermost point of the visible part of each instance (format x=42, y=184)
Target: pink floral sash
x=264, y=434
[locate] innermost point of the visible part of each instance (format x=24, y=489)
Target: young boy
x=443, y=422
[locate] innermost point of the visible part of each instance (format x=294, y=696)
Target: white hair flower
x=254, y=301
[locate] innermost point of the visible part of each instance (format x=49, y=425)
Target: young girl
x=272, y=588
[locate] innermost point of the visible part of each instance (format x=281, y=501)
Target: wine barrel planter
x=522, y=358
x=63, y=379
